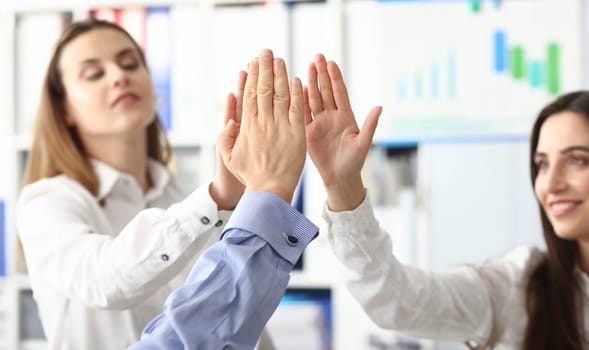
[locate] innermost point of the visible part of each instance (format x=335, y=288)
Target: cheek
x=583, y=186
x=539, y=189
x=82, y=101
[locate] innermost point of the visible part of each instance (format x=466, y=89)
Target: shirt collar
x=108, y=176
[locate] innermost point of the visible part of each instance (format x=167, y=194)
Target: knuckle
x=295, y=108
x=264, y=90
x=249, y=92
x=281, y=97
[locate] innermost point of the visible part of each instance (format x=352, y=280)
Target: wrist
x=226, y=200
x=282, y=190
x=345, y=194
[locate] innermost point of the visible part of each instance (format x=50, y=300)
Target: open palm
x=335, y=144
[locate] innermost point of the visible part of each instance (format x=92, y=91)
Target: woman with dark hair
x=528, y=299
x=106, y=230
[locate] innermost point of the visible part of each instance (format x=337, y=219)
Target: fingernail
x=277, y=63
x=266, y=54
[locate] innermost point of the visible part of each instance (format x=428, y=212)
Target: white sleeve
x=57, y=226
x=456, y=305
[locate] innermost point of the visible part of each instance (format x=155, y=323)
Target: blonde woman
x=107, y=232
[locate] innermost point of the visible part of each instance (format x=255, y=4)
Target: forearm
x=236, y=285
x=69, y=246
x=451, y=306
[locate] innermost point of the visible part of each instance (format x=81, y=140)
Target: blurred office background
x=460, y=81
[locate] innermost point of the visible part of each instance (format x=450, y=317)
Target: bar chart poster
x=443, y=71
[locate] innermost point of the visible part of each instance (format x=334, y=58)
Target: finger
x=265, y=88
x=239, y=97
x=229, y=108
x=226, y=140
x=324, y=82
x=308, y=116
x=315, y=101
x=340, y=93
x=369, y=126
x=296, y=113
x=250, y=101
x=281, y=99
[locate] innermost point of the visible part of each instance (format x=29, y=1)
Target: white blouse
x=474, y=303
x=99, y=274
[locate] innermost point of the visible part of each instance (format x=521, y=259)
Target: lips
x=563, y=207
x=124, y=98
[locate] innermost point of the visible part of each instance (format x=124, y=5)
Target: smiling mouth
x=563, y=208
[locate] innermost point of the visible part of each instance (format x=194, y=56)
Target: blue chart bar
x=536, y=70
x=451, y=74
x=435, y=81
x=500, y=51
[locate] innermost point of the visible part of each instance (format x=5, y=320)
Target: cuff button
x=165, y=257
x=219, y=223
x=291, y=240
x=204, y=220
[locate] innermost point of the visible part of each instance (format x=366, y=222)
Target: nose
x=119, y=76
x=555, y=180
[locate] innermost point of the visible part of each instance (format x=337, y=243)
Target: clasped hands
x=270, y=123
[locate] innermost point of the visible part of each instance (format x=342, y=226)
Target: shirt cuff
x=198, y=211
x=271, y=218
x=349, y=218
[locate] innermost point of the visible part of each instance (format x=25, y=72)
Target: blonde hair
x=57, y=148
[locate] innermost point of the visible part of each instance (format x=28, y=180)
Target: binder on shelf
x=105, y=14
x=157, y=53
x=303, y=320
x=36, y=35
x=132, y=19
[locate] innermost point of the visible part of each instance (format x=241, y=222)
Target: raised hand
x=336, y=145
x=226, y=189
x=268, y=153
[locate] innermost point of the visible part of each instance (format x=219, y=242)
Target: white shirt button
x=205, y=220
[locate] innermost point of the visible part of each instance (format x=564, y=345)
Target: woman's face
x=562, y=184
x=108, y=89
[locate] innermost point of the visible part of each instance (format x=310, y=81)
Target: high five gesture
x=336, y=145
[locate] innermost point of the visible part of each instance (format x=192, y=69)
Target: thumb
x=227, y=139
x=369, y=126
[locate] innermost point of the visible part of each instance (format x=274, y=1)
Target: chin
x=569, y=235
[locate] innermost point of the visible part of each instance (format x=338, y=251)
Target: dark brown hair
x=554, y=293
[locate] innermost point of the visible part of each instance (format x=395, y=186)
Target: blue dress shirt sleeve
x=237, y=283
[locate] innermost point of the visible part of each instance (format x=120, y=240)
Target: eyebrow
x=565, y=151
x=119, y=54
